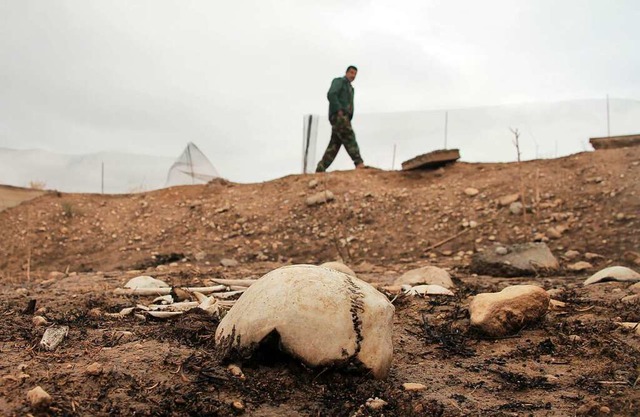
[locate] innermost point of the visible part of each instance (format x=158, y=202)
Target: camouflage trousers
x=341, y=134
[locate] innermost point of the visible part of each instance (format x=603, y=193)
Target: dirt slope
x=575, y=361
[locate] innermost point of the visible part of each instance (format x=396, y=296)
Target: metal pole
x=446, y=123
x=393, y=161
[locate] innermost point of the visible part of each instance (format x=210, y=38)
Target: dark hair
x=351, y=67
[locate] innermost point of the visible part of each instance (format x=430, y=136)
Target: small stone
x=413, y=386
x=571, y=254
x=375, y=403
x=471, y=192
x=592, y=256
x=574, y=338
x=236, y=371
x=506, y=312
x=473, y=224
x=508, y=199
x=56, y=275
x=39, y=398
x=579, y=266
x=320, y=198
x=200, y=256
x=515, y=208
x=238, y=405
x=94, y=369
x=313, y=183
x=22, y=291
x=553, y=233
x=39, y=321
x=605, y=410
x=501, y=250
x=228, y=262
x=631, y=299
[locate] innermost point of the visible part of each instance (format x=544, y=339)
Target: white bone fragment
x=431, y=289
x=53, y=336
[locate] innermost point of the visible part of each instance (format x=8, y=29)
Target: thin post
x=393, y=161
x=305, y=144
x=102, y=179
x=193, y=180
x=446, y=125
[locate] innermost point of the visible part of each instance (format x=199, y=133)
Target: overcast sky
x=149, y=76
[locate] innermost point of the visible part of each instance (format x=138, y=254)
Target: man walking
x=340, y=98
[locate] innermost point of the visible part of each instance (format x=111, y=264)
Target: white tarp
x=191, y=167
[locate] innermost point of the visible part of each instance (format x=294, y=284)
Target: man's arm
x=332, y=95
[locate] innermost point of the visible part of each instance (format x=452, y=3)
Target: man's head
x=351, y=73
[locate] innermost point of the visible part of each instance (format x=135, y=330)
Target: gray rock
x=501, y=250
x=320, y=198
x=515, y=208
x=228, y=262
x=521, y=259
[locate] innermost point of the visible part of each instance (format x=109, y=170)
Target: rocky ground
x=68, y=252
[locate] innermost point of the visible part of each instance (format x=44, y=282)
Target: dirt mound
x=381, y=224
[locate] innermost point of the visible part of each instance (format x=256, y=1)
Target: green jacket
x=340, y=97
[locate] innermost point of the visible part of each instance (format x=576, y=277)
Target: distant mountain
x=123, y=172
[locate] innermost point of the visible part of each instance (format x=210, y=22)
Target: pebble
x=375, y=403
x=471, y=191
x=22, y=291
x=236, y=371
x=580, y=266
x=571, y=254
x=515, y=208
x=238, y=405
x=413, y=386
x=228, y=262
x=501, y=250
x=94, y=369
x=39, y=398
x=39, y=321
